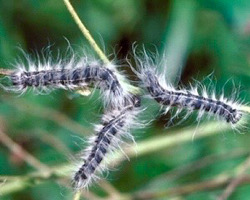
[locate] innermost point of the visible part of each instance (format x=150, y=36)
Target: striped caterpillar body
x=73, y=76
x=66, y=78
x=115, y=125
x=191, y=100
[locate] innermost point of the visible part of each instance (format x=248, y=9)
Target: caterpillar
x=70, y=76
x=115, y=125
x=170, y=97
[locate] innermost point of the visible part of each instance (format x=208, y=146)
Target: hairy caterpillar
x=115, y=125
x=169, y=97
x=122, y=106
x=70, y=76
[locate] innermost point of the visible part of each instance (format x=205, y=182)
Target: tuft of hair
x=110, y=136
x=196, y=98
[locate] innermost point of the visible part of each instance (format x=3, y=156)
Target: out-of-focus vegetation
x=197, y=36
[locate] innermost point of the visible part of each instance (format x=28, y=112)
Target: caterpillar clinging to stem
x=191, y=100
x=185, y=99
x=71, y=75
x=122, y=106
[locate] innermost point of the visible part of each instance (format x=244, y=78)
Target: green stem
x=85, y=32
x=97, y=49
x=142, y=148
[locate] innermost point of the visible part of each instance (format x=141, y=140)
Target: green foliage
x=198, y=36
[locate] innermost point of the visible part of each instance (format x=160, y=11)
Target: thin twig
x=142, y=148
x=240, y=177
x=5, y=72
x=215, y=183
x=97, y=49
x=8, y=178
x=21, y=182
x=91, y=196
x=54, y=142
x=85, y=32
x=18, y=150
x=245, y=108
x=49, y=114
x=77, y=195
x=196, y=165
x=87, y=195
x=113, y=193
x=176, y=137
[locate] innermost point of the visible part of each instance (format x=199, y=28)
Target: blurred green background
x=197, y=37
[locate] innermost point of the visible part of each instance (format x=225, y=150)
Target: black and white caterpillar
x=71, y=76
x=113, y=130
x=189, y=100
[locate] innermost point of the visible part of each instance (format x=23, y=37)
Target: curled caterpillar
x=115, y=125
x=72, y=75
x=167, y=95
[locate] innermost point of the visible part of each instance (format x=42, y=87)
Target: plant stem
x=85, y=32
x=142, y=148
x=97, y=49
x=77, y=195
